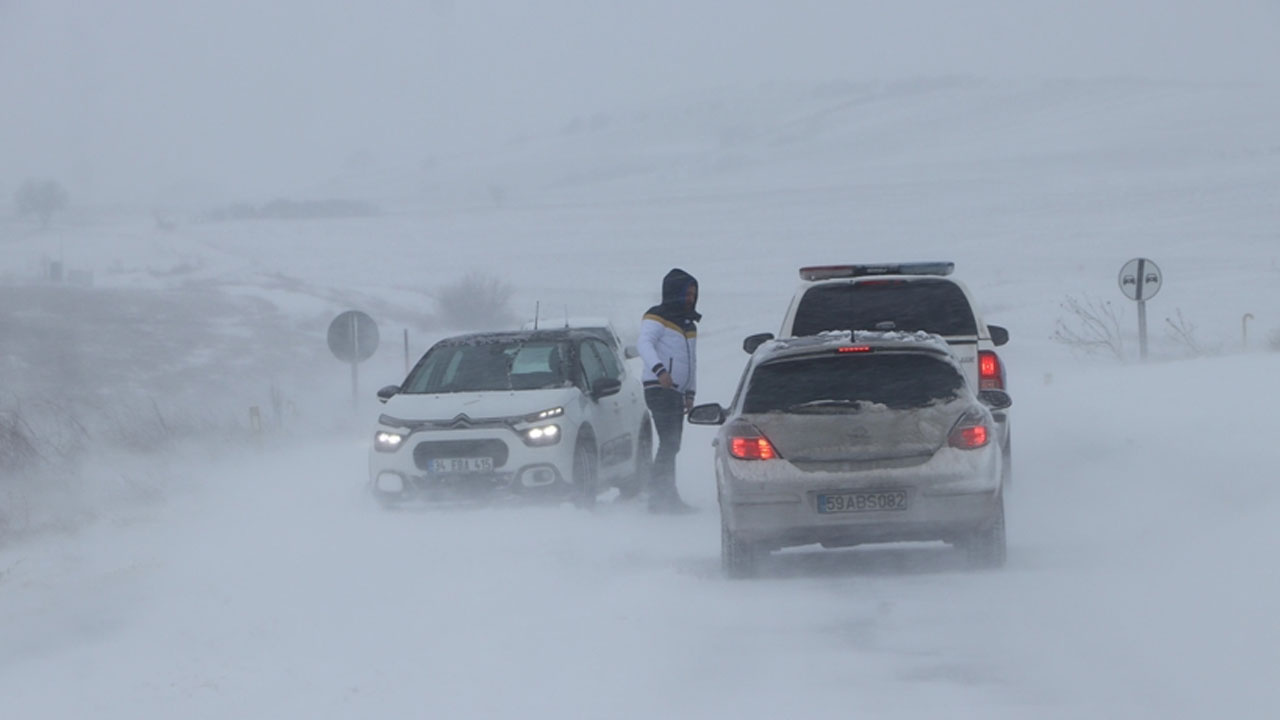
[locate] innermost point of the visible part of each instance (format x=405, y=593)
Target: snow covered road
x=1138, y=586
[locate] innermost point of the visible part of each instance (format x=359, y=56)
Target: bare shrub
x=476, y=302
x=17, y=446
x=1183, y=332
x=1091, y=326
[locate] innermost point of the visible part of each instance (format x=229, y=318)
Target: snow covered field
x=263, y=583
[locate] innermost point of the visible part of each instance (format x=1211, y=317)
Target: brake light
x=752, y=448
x=990, y=371
x=969, y=437
x=854, y=349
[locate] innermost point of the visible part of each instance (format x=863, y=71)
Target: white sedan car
x=541, y=413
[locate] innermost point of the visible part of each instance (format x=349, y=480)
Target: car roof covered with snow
x=508, y=336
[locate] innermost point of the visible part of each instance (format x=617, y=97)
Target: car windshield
x=851, y=382
x=932, y=305
x=490, y=365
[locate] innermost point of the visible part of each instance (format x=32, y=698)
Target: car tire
x=987, y=547
x=739, y=559
x=639, y=480
x=585, y=473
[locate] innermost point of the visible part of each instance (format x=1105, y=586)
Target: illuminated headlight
x=542, y=435
x=386, y=441
x=544, y=414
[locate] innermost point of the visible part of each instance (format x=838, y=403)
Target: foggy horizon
x=128, y=101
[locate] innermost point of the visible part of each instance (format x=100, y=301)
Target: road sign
x=1140, y=279
x=353, y=336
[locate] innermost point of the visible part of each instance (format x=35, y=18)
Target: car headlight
x=541, y=435
x=544, y=414
x=387, y=441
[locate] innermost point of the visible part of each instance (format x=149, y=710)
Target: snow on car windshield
x=850, y=382
x=482, y=367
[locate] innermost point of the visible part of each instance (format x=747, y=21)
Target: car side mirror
x=630, y=352
x=751, y=342
x=708, y=414
x=604, y=387
x=388, y=392
x=999, y=335
x=995, y=399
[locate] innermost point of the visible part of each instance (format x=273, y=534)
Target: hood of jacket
x=674, y=286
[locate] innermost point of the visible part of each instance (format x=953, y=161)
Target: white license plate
x=462, y=465
x=875, y=501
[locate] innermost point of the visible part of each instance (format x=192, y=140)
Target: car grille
x=425, y=452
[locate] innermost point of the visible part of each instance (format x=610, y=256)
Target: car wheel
x=585, y=487
x=987, y=548
x=739, y=559
x=633, y=485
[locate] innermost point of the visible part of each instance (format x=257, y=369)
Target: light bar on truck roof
x=827, y=272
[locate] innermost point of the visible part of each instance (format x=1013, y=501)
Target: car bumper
x=407, y=474
x=784, y=511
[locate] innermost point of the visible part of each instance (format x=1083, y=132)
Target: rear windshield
x=836, y=383
x=490, y=366
x=932, y=305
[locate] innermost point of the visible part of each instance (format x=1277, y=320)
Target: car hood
x=477, y=406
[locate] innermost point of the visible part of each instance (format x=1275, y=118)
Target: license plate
x=462, y=465
x=876, y=501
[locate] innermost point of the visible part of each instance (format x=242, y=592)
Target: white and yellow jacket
x=669, y=344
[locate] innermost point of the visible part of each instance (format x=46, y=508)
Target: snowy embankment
x=262, y=583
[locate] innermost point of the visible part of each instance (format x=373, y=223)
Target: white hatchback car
x=539, y=413
x=849, y=438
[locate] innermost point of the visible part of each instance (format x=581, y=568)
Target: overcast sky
x=123, y=99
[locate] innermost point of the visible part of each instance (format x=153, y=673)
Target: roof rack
x=827, y=272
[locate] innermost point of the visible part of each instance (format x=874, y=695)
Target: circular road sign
x=353, y=336
x=1140, y=279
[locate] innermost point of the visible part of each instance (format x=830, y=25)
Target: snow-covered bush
x=476, y=302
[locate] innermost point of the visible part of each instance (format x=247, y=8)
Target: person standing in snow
x=667, y=343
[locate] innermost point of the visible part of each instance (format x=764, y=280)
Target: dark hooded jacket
x=668, y=335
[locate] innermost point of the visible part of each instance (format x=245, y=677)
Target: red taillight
x=752, y=448
x=854, y=349
x=969, y=437
x=990, y=372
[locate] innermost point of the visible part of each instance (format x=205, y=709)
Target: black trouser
x=666, y=407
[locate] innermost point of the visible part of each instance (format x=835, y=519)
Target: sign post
x=353, y=338
x=1140, y=280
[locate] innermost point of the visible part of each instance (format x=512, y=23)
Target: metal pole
x=406, y=351
x=1142, y=329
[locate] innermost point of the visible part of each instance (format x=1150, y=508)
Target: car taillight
x=990, y=371
x=854, y=349
x=969, y=437
x=752, y=447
